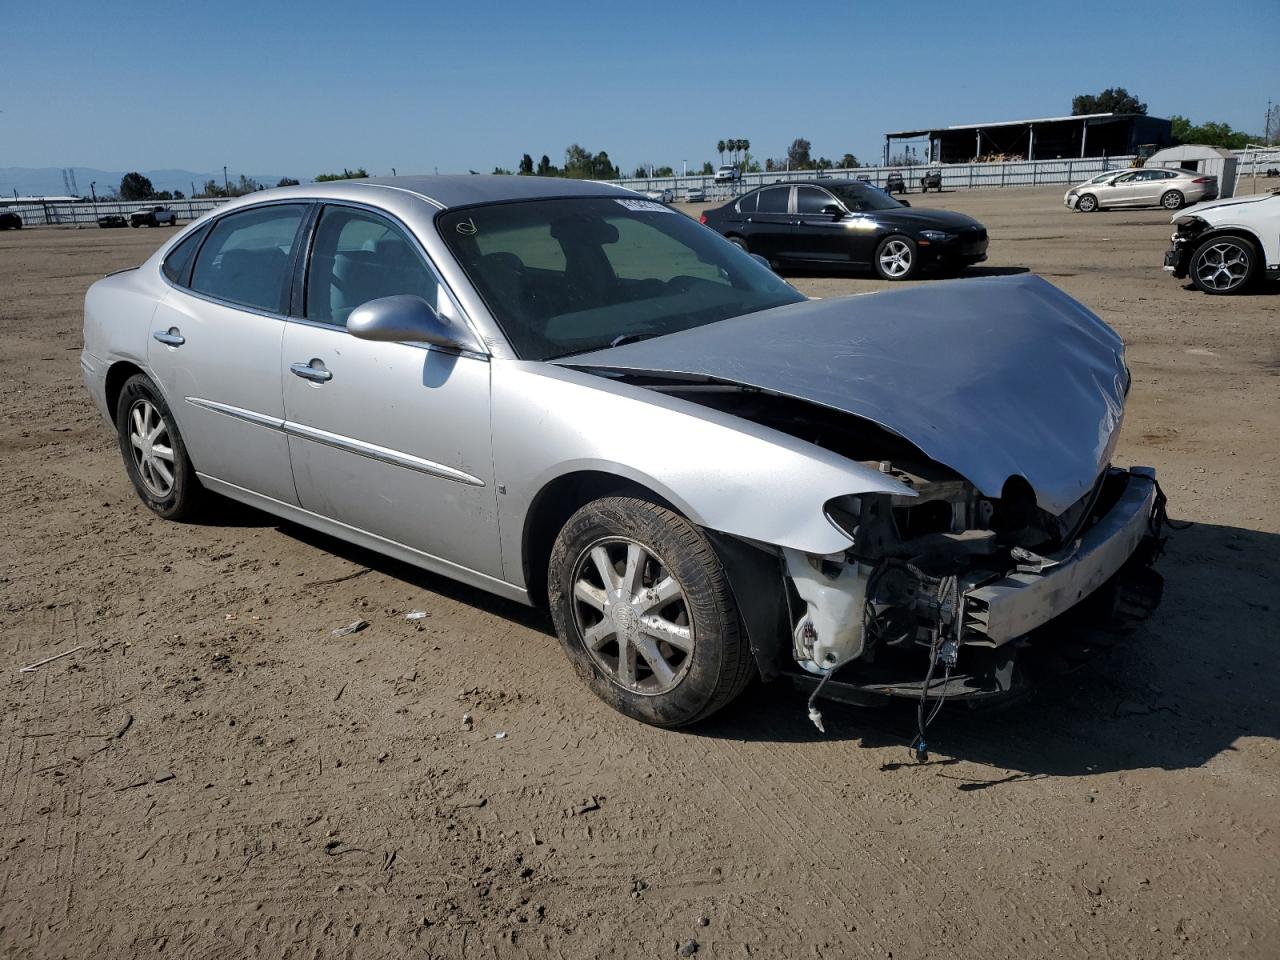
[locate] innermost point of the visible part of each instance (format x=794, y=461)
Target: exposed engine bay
x=942, y=593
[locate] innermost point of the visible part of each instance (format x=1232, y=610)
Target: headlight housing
x=936, y=236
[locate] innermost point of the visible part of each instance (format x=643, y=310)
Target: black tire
x=705, y=678
x=1173, y=200
x=133, y=223
x=1087, y=203
x=911, y=257
x=740, y=243
x=185, y=495
x=1223, y=265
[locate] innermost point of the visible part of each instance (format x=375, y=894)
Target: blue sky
x=297, y=89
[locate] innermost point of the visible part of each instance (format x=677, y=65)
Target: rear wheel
x=645, y=614
x=1173, y=200
x=740, y=243
x=897, y=258
x=154, y=455
x=1087, y=203
x=1224, y=265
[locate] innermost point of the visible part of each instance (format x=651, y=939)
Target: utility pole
x=94, y=192
x=225, y=184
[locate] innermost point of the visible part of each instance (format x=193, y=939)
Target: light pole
x=94, y=194
x=225, y=184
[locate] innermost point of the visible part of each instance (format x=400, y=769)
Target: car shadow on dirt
x=1195, y=679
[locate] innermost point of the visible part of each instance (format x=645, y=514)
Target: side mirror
x=407, y=319
x=905, y=202
x=832, y=210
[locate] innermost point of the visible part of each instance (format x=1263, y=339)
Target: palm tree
x=720, y=150
x=746, y=146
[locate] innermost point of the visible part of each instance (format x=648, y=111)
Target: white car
x=1143, y=187
x=695, y=195
x=728, y=174
x=1225, y=245
x=666, y=195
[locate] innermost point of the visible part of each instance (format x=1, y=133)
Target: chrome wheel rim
x=1086, y=204
x=1223, y=266
x=1171, y=201
x=152, y=448
x=895, y=258
x=633, y=616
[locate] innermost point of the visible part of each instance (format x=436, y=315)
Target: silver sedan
x=1148, y=187
x=566, y=394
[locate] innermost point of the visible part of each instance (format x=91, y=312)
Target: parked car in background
x=931, y=180
x=153, y=217
x=895, y=183
x=665, y=195
x=565, y=394
x=112, y=220
x=1145, y=187
x=1226, y=246
x=695, y=195
x=728, y=174
x=10, y=220
x=848, y=223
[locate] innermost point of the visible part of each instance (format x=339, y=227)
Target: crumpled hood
x=993, y=377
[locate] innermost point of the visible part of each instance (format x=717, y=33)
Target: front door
x=215, y=346
x=390, y=438
x=820, y=235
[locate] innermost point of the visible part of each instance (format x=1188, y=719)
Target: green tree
x=577, y=162
x=526, y=166
x=1211, y=134
x=287, y=182
x=1110, y=100
x=603, y=168
x=848, y=161
x=212, y=188
x=501, y=172
x=346, y=174
x=664, y=172
x=179, y=195
x=720, y=145
x=545, y=169
x=798, y=154
x=707, y=169
x=134, y=186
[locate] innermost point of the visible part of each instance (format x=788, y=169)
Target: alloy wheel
x=633, y=616
x=152, y=448
x=895, y=258
x=1223, y=266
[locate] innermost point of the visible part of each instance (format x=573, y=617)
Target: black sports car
x=112, y=220
x=848, y=223
x=10, y=221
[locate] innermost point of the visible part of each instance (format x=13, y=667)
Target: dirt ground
x=213, y=774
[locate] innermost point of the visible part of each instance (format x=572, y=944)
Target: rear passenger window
x=774, y=200
x=358, y=257
x=177, y=265
x=246, y=258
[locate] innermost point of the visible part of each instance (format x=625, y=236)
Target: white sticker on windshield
x=646, y=206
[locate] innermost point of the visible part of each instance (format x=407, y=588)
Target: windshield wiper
x=630, y=338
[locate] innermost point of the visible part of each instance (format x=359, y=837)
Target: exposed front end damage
x=952, y=595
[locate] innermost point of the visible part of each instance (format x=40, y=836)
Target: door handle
x=314, y=371
x=170, y=338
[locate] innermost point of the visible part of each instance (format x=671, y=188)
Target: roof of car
x=465, y=190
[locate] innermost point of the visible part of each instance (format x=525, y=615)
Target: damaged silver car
x=567, y=395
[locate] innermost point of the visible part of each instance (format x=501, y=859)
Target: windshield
x=570, y=276
x=859, y=197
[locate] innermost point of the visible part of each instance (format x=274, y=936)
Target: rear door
x=769, y=227
x=215, y=346
x=389, y=438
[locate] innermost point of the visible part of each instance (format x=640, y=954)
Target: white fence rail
x=87, y=212
x=955, y=176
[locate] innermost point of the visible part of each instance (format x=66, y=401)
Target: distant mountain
x=47, y=181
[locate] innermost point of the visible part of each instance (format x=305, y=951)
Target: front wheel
x=155, y=456
x=1224, y=265
x=645, y=614
x=1087, y=203
x=897, y=258
x=1173, y=200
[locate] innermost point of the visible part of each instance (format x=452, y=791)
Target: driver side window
x=357, y=257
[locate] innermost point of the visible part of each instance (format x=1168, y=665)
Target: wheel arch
x=117, y=374
x=753, y=570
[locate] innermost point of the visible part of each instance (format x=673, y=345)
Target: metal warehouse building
x=1049, y=138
